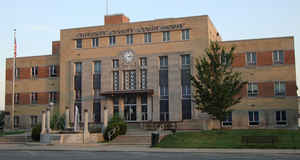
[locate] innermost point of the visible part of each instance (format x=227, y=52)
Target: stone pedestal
x=43, y=122
x=48, y=120
x=67, y=118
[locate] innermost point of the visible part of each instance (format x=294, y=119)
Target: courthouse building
x=140, y=70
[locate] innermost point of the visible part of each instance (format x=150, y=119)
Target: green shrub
x=35, y=132
x=57, y=122
x=116, y=124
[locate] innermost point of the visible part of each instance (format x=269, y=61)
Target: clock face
x=128, y=56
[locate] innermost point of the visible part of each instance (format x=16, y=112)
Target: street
x=81, y=155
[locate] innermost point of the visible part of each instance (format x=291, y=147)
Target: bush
x=116, y=126
x=57, y=122
x=35, y=132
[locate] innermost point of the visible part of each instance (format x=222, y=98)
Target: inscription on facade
x=129, y=31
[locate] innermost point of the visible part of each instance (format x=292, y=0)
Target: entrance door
x=130, y=108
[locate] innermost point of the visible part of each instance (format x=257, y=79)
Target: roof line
x=259, y=39
x=25, y=57
x=162, y=19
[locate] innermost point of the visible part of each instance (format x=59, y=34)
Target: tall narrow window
x=281, y=118
x=130, y=80
x=164, y=91
x=251, y=58
x=17, y=98
x=52, y=97
x=278, y=57
x=147, y=37
x=78, y=68
x=17, y=73
x=129, y=39
x=52, y=70
x=78, y=43
x=143, y=79
x=185, y=34
x=33, y=121
x=280, y=89
x=16, y=121
x=186, y=101
x=95, y=42
x=253, y=118
x=186, y=60
x=97, y=67
x=166, y=36
x=116, y=80
x=143, y=61
x=78, y=95
x=116, y=105
x=252, y=89
x=144, y=107
x=186, y=91
x=34, y=98
x=112, y=40
x=163, y=62
x=34, y=72
x=115, y=63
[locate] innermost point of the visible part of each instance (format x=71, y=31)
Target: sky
x=38, y=23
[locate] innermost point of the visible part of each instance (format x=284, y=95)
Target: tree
x=216, y=85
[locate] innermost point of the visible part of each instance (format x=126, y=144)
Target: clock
x=128, y=56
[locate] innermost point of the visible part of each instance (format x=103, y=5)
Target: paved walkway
x=131, y=148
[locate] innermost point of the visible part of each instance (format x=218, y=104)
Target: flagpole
x=13, y=82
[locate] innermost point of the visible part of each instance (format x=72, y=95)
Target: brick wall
x=264, y=58
x=291, y=88
x=9, y=74
x=25, y=73
x=266, y=89
x=55, y=47
x=116, y=19
x=24, y=98
x=43, y=98
x=43, y=72
x=8, y=99
x=289, y=57
x=239, y=60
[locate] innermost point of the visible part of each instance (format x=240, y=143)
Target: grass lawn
x=11, y=132
x=230, y=139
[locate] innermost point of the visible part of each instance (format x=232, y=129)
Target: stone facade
x=118, y=39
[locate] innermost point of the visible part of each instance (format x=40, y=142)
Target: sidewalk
x=131, y=148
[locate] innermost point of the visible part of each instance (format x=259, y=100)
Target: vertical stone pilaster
x=139, y=108
x=48, y=120
x=121, y=106
x=43, y=122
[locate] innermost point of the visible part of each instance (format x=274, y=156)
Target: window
x=186, y=91
x=78, y=67
x=164, y=91
x=17, y=73
x=97, y=93
x=253, y=118
x=281, y=118
x=97, y=67
x=34, y=98
x=95, y=42
x=163, y=62
x=143, y=79
x=78, y=94
x=185, y=60
x=78, y=43
x=16, y=121
x=252, y=89
x=52, y=71
x=115, y=63
x=34, y=120
x=116, y=80
x=112, y=40
x=34, y=72
x=224, y=59
x=143, y=61
x=251, y=58
x=116, y=105
x=228, y=119
x=16, y=98
x=185, y=34
x=129, y=39
x=278, y=57
x=166, y=36
x=52, y=97
x=279, y=88
x=144, y=107
x=147, y=38
x=130, y=80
